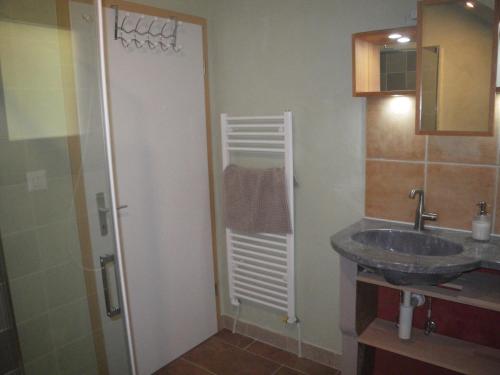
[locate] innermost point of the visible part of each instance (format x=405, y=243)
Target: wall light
x=470, y=4
x=395, y=36
x=404, y=39
x=399, y=105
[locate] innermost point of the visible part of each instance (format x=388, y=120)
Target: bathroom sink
x=407, y=242
x=412, y=244
x=404, y=256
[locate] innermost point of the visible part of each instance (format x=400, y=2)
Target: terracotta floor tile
x=234, y=338
x=290, y=360
x=181, y=367
x=224, y=359
x=270, y=352
x=288, y=371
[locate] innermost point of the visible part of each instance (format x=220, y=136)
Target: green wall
x=267, y=56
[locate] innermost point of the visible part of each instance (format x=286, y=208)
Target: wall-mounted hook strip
x=143, y=35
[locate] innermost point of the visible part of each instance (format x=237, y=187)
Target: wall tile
x=28, y=297
x=49, y=154
x=16, y=209
x=453, y=191
x=56, y=203
x=42, y=366
x=475, y=150
x=70, y=322
x=64, y=284
x=21, y=253
x=12, y=162
x=35, y=338
x=497, y=218
x=58, y=243
x=387, y=188
x=78, y=357
x=390, y=129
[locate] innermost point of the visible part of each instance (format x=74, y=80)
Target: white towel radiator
x=261, y=267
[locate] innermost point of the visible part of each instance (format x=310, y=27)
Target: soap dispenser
x=481, y=224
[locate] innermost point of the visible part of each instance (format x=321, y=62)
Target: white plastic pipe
x=410, y=301
x=405, y=316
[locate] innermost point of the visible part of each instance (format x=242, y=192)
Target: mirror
x=456, y=67
x=398, y=66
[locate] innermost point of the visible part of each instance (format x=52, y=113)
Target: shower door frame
x=79, y=195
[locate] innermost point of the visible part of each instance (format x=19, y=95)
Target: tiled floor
x=228, y=354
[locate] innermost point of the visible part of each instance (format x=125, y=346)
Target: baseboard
x=309, y=351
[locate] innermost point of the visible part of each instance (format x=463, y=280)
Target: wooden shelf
x=474, y=288
x=386, y=93
x=366, y=48
x=443, y=351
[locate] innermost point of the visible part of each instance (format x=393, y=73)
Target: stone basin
x=411, y=243
x=408, y=257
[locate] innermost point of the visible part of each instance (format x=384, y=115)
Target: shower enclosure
x=61, y=302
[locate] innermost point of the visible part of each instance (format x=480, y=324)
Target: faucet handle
x=432, y=216
x=416, y=191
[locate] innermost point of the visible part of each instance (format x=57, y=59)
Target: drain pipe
x=410, y=301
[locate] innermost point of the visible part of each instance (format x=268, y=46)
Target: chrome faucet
x=420, y=214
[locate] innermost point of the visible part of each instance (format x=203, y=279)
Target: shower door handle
x=111, y=311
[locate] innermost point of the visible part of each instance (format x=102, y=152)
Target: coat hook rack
x=143, y=34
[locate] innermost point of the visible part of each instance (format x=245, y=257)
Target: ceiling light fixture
x=395, y=36
x=404, y=39
x=470, y=4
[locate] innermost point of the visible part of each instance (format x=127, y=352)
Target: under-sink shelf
x=477, y=289
x=443, y=351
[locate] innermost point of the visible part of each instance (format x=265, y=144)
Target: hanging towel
x=255, y=200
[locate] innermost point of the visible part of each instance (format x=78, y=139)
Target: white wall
x=270, y=55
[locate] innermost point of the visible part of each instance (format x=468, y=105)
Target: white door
x=160, y=148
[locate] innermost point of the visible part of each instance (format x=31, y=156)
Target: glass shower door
x=55, y=221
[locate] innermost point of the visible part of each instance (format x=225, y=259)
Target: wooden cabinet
x=363, y=331
x=367, y=71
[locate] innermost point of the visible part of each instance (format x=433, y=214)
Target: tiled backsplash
x=456, y=172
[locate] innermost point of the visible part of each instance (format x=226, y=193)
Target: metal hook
x=174, y=36
x=164, y=46
x=125, y=43
x=150, y=44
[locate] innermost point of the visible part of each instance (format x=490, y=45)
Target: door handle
x=103, y=213
x=111, y=311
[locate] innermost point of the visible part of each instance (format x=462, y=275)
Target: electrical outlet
x=37, y=180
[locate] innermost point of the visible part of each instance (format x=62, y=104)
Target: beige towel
x=255, y=200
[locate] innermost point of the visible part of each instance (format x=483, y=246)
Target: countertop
x=475, y=255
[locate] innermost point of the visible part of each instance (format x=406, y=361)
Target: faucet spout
x=420, y=214
x=415, y=191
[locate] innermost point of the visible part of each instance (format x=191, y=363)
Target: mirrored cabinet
x=457, y=45
x=448, y=61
